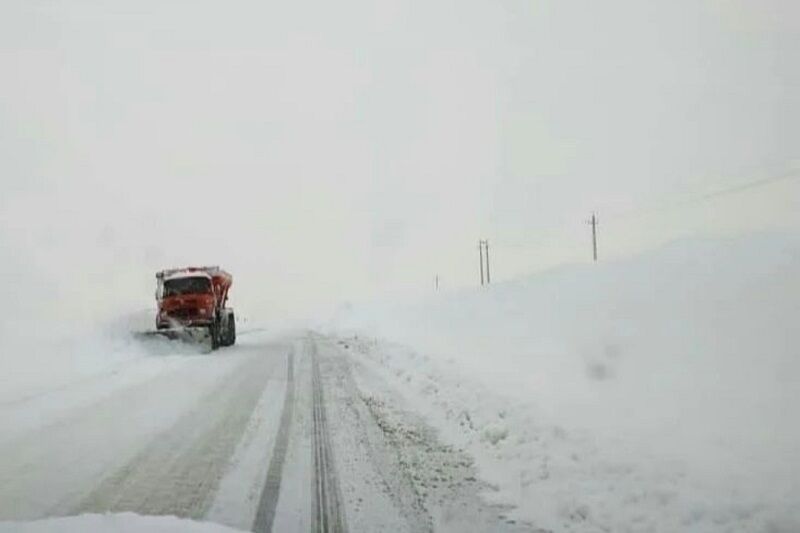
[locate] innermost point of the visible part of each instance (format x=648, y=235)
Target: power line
x=710, y=196
x=752, y=185
x=546, y=232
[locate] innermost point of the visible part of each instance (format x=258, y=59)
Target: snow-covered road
x=273, y=434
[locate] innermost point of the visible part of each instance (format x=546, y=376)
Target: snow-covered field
x=656, y=393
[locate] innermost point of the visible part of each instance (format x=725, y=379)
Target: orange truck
x=194, y=298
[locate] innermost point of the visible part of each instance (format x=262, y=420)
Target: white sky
x=328, y=151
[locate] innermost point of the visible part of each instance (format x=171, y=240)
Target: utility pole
x=488, y=278
x=593, y=223
x=436, y=282
x=480, y=257
x=483, y=245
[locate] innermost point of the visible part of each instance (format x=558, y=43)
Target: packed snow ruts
x=265, y=515
x=179, y=472
x=328, y=511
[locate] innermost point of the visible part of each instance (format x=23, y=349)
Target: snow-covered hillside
x=658, y=393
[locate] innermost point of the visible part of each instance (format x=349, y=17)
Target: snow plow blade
x=185, y=334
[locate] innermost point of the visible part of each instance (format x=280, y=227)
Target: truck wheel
x=213, y=332
x=231, y=340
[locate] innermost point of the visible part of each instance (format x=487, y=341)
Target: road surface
x=273, y=434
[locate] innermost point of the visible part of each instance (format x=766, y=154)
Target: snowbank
x=36, y=357
x=114, y=523
x=659, y=393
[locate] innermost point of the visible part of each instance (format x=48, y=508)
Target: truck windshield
x=179, y=286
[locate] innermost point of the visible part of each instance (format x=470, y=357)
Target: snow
x=248, y=466
x=114, y=523
x=655, y=393
x=36, y=359
x=57, y=446
x=187, y=274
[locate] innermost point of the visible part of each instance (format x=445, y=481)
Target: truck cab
x=195, y=298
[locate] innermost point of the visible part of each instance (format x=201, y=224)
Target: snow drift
x=37, y=357
x=114, y=523
x=658, y=393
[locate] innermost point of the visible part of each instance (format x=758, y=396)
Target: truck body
x=195, y=298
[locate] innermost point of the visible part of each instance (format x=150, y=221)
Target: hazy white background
x=324, y=151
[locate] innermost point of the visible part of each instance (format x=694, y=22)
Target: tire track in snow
x=265, y=515
x=328, y=511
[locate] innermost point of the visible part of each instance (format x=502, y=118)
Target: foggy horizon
x=628, y=171
x=331, y=153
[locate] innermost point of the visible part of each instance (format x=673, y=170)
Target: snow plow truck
x=193, y=299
